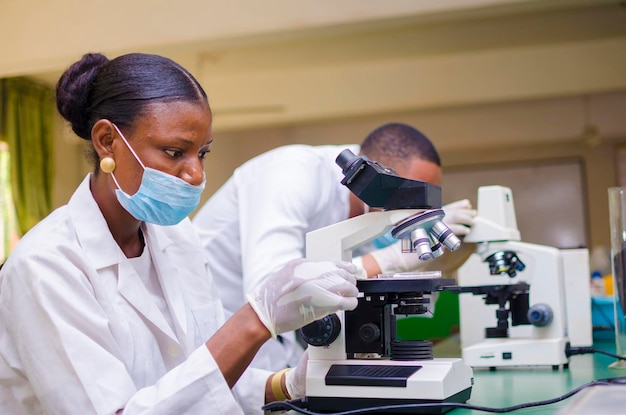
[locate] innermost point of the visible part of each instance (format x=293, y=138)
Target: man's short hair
x=395, y=143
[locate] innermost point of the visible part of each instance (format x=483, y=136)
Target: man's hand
x=459, y=216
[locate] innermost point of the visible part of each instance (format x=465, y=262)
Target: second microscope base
x=334, y=385
x=493, y=353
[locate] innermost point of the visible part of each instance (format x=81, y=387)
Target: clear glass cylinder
x=617, y=216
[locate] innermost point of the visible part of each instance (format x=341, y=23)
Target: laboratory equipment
x=522, y=304
x=354, y=359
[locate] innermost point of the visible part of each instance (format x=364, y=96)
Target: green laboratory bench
x=507, y=387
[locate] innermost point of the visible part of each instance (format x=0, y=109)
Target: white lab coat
x=258, y=221
x=79, y=333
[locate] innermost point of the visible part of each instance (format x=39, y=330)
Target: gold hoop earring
x=107, y=165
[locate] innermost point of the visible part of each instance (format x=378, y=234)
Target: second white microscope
x=530, y=301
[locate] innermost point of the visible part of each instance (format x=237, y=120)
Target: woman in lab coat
x=107, y=305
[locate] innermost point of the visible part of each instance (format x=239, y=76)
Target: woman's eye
x=174, y=153
x=203, y=154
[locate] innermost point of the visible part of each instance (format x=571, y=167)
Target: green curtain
x=27, y=124
x=8, y=223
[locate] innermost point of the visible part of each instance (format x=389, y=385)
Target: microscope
x=529, y=302
x=355, y=360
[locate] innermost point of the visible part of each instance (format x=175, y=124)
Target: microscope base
x=333, y=405
x=355, y=383
x=493, y=353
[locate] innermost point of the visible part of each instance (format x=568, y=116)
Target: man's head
x=406, y=150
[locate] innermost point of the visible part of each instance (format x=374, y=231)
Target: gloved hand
x=459, y=216
x=295, y=379
x=304, y=291
x=361, y=273
x=392, y=260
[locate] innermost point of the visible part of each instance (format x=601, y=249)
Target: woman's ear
x=102, y=138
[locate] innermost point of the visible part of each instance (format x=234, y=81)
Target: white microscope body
x=374, y=381
x=355, y=360
x=547, y=290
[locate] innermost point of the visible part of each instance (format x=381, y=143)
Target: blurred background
x=530, y=94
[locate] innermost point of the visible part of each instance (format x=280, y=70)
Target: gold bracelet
x=277, y=388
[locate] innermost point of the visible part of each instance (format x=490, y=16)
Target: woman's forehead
x=174, y=116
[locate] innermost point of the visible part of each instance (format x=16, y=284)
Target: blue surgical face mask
x=384, y=240
x=162, y=199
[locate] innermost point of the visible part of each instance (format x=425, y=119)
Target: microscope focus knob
x=540, y=315
x=369, y=332
x=322, y=332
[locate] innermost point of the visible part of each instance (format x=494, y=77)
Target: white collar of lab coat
x=103, y=252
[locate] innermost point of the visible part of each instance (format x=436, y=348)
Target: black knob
x=322, y=332
x=369, y=332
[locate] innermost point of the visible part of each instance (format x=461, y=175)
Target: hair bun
x=73, y=90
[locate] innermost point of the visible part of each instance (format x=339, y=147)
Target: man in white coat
x=273, y=200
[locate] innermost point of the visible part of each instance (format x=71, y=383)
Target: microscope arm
x=336, y=242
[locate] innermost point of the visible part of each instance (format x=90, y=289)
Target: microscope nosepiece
x=426, y=235
x=505, y=262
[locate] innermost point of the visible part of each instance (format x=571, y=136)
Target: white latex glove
x=304, y=291
x=361, y=273
x=459, y=216
x=295, y=379
x=391, y=259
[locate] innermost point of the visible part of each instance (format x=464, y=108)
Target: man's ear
x=102, y=138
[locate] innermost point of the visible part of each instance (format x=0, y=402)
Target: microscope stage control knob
x=322, y=332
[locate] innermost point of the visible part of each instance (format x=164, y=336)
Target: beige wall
x=70, y=165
